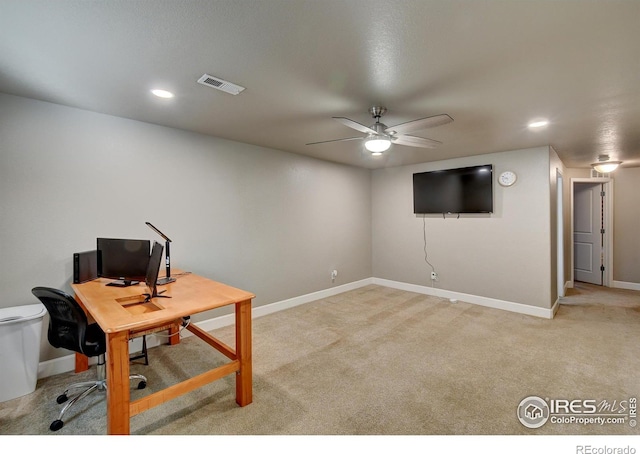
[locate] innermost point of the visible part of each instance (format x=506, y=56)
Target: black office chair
x=69, y=328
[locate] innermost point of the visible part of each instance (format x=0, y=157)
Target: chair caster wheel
x=56, y=425
x=61, y=398
x=142, y=385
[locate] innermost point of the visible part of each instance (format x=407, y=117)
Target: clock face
x=507, y=178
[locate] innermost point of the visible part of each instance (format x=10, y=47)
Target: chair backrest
x=68, y=325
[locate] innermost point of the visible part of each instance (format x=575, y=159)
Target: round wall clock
x=507, y=178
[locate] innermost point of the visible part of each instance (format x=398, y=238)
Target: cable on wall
x=426, y=255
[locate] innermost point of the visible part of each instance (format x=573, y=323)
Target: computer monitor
x=123, y=258
x=153, y=269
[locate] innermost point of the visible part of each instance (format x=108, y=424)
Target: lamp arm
x=155, y=229
x=167, y=259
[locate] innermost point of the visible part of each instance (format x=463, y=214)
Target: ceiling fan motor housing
x=379, y=129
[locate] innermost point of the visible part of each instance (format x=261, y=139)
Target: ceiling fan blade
x=335, y=140
x=422, y=123
x=355, y=125
x=412, y=141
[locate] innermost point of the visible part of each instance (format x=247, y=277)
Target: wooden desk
x=121, y=313
x=173, y=328
x=82, y=361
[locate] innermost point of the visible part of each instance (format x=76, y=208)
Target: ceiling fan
x=379, y=136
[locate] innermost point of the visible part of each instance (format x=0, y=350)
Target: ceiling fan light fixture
x=378, y=137
x=377, y=144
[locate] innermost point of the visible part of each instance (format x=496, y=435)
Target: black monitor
x=153, y=269
x=122, y=258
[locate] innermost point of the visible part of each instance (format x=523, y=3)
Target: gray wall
x=269, y=222
x=626, y=225
x=505, y=255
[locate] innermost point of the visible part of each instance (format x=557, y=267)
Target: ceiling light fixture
x=538, y=124
x=376, y=144
x=604, y=165
x=162, y=93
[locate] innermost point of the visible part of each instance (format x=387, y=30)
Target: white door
x=588, y=232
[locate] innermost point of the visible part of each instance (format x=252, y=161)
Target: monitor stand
x=122, y=283
x=165, y=280
x=148, y=296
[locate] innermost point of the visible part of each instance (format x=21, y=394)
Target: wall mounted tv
x=463, y=190
x=120, y=258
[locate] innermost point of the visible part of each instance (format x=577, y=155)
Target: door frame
x=607, y=277
x=560, y=278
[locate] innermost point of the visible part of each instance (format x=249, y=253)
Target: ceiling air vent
x=220, y=84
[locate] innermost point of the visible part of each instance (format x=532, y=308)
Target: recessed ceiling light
x=538, y=123
x=162, y=93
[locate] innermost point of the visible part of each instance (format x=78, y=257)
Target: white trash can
x=20, y=333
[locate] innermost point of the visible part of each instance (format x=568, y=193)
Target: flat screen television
x=123, y=258
x=463, y=190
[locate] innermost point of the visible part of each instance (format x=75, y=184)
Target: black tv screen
x=463, y=190
x=122, y=258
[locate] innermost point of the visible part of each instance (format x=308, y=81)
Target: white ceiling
x=491, y=65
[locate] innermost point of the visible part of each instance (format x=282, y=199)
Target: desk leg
x=82, y=363
x=244, y=386
x=118, y=395
x=174, y=337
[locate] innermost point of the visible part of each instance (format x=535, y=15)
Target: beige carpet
x=383, y=361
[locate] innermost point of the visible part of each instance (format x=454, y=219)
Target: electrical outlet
x=434, y=276
x=334, y=275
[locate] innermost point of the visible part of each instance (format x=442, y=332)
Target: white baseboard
x=473, y=299
x=555, y=307
x=67, y=363
x=267, y=309
x=626, y=285
x=56, y=366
